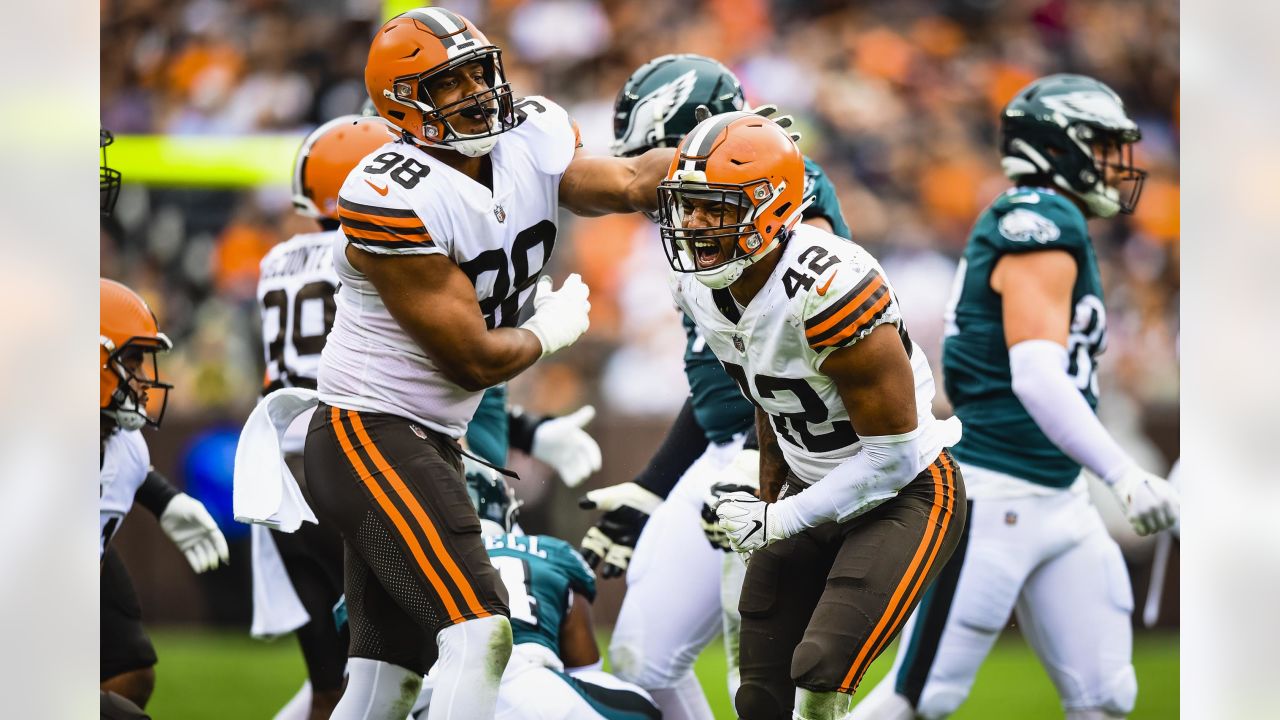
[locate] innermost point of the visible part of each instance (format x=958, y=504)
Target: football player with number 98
x=445, y=233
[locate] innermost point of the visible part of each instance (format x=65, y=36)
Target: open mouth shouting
x=707, y=253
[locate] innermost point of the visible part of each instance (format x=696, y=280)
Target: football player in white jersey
x=445, y=233
x=131, y=397
x=869, y=502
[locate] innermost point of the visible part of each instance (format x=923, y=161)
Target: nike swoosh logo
x=380, y=190
x=822, y=289
x=753, y=530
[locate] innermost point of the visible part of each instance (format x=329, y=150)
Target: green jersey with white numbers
x=998, y=433
x=718, y=404
x=540, y=573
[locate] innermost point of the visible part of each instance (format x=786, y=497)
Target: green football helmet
x=656, y=105
x=495, y=502
x=1072, y=131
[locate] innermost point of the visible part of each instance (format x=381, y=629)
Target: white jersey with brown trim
x=125, y=464
x=296, y=285
x=826, y=293
x=401, y=201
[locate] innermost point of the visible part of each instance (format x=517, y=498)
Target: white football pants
x=1050, y=560
x=672, y=608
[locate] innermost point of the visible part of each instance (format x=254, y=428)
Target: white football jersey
x=400, y=200
x=826, y=293
x=296, y=285
x=125, y=464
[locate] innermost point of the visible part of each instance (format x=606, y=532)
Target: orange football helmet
x=749, y=168
x=328, y=155
x=412, y=47
x=128, y=392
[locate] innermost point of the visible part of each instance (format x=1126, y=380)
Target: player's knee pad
x=1121, y=692
x=939, y=701
x=631, y=663
x=809, y=669
x=756, y=702
x=821, y=704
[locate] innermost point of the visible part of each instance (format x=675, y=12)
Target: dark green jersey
x=487, y=435
x=825, y=203
x=998, y=432
x=540, y=573
x=718, y=404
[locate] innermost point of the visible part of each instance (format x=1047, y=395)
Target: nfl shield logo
x=738, y=344
x=499, y=213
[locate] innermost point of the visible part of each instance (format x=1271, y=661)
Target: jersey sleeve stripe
x=418, y=238
x=360, y=208
x=388, y=243
x=409, y=223
x=405, y=232
x=854, y=301
x=854, y=326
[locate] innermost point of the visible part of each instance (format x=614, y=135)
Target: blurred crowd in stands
x=897, y=101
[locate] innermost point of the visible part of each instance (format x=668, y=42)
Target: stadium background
x=209, y=99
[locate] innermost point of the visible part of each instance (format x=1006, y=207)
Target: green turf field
x=220, y=675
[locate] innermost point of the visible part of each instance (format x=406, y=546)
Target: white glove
x=613, y=538
x=193, y=530
x=1150, y=502
x=740, y=475
x=563, y=444
x=559, y=316
x=746, y=520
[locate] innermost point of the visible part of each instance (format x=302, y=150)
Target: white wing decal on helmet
x=1092, y=106
x=654, y=110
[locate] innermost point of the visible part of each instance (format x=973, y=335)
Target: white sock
x=882, y=703
x=299, y=706
x=683, y=701
x=814, y=705
x=1092, y=714
x=473, y=655
x=377, y=690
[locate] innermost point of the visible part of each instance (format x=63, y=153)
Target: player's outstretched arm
x=597, y=185
x=1036, y=290
x=578, y=647
x=435, y=303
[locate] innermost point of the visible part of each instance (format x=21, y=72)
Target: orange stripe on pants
x=366, y=478
x=896, y=610
x=424, y=522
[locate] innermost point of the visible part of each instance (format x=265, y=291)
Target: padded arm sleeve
x=1040, y=380
x=685, y=443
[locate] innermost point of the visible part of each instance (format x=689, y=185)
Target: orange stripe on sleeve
x=895, y=612
x=858, y=325
x=380, y=236
x=849, y=307
x=335, y=418
x=415, y=509
x=385, y=220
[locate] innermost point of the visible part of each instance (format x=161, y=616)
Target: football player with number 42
x=870, y=502
x=1025, y=328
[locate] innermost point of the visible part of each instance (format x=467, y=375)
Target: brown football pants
x=820, y=606
x=414, y=559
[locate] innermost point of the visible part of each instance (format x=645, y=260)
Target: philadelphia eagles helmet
x=493, y=499
x=656, y=105
x=1073, y=131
